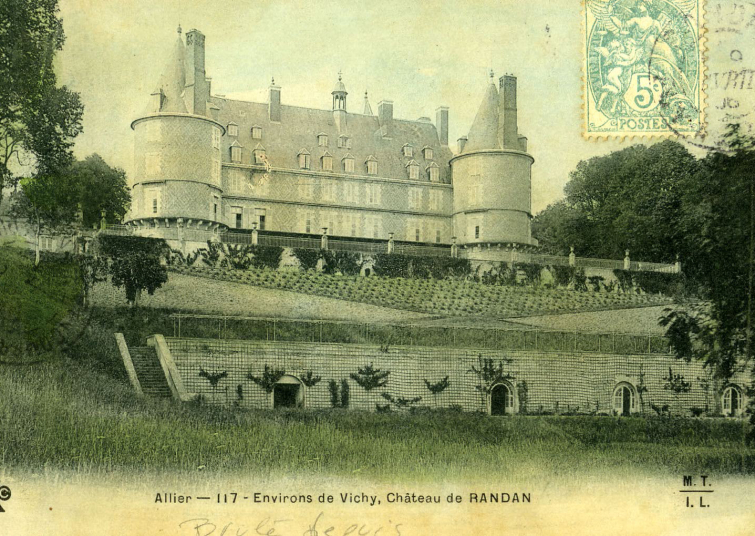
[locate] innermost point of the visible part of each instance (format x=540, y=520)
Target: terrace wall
x=557, y=381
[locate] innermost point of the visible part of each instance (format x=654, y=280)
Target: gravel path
x=635, y=320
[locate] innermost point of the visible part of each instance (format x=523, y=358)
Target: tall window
x=415, y=198
x=236, y=154
x=238, y=217
x=428, y=153
x=417, y=235
x=256, y=133
x=215, y=138
x=413, y=168
x=322, y=140
x=434, y=172
x=327, y=162
x=373, y=194
x=348, y=164
x=477, y=232
x=372, y=165
x=437, y=236
x=233, y=129
x=304, y=159
x=434, y=199
x=261, y=218
x=154, y=206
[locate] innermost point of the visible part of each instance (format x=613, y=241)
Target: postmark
x=643, y=70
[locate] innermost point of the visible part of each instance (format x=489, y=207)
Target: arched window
x=624, y=399
x=732, y=401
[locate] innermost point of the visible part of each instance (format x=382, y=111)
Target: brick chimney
x=197, y=89
x=441, y=124
x=385, y=116
x=508, y=132
x=274, y=102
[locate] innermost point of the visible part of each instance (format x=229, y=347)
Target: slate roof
x=173, y=80
x=484, y=132
x=299, y=127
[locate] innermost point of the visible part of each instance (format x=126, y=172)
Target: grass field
x=437, y=297
x=62, y=417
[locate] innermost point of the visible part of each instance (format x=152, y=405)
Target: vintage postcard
x=376, y=268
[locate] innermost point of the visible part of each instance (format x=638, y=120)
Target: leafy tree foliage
x=629, y=199
x=100, y=187
x=38, y=120
x=269, y=378
x=48, y=203
x=136, y=263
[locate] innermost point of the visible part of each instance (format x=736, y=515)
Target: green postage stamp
x=644, y=68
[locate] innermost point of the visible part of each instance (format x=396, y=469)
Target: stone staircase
x=149, y=372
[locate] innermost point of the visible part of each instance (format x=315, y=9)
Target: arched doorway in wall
x=501, y=399
x=288, y=392
x=732, y=401
x=624, y=399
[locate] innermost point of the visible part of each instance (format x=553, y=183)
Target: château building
x=208, y=162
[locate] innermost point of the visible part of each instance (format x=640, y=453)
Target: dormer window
x=322, y=140
x=372, y=165
x=434, y=172
x=236, y=152
x=233, y=129
x=326, y=162
x=348, y=163
x=413, y=169
x=304, y=159
x=408, y=150
x=428, y=153
x=256, y=133
x=260, y=158
x=344, y=142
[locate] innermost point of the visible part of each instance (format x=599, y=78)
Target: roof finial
x=492, y=75
x=272, y=81
x=179, y=28
x=339, y=75
x=365, y=94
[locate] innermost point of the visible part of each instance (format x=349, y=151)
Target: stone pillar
x=390, y=243
x=454, y=248
x=627, y=260
x=677, y=265
x=324, y=239
x=513, y=254
x=103, y=221
x=181, y=241
x=572, y=257
x=255, y=234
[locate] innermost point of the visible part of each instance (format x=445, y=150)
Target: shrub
x=580, y=280
x=369, y=377
x=211, y=254
x=562, y=275
x=136, y=272
x=596, y=282
x=346, y=262
x=266, y=256
x=307, y=258
x=238, y=257
x=117, y=246
x=523, y=394
x=345, y=393
x=532, y=272
x=310, y=380
x=333, y=390
x=268, y=379
x=391, y=265
x=625, y=279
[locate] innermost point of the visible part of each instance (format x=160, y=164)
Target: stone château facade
x=207, y=162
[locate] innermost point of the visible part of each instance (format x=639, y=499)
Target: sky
x=420, y=55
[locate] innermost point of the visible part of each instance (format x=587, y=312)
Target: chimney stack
x=462, y=143
x=197, y=90
x=274, y=102
x=441, y=124
x=385, y=116
x=508, y=132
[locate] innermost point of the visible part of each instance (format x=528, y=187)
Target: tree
x=136, y=263
x=629, y=199
x=38, y=120
x=100, y=187
x=48, y=203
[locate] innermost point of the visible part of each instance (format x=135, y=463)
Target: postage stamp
x=643, y=71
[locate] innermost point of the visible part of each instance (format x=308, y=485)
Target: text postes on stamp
x=643, y=68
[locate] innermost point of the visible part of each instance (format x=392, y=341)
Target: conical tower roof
x=173, y=79
x=484, y=132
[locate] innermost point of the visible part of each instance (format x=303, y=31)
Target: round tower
x=491, y=175
x=177, y=160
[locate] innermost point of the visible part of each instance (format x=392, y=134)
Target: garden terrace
x=386, y=335
x=447, y=297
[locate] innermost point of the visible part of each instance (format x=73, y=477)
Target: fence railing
x=333, y=331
